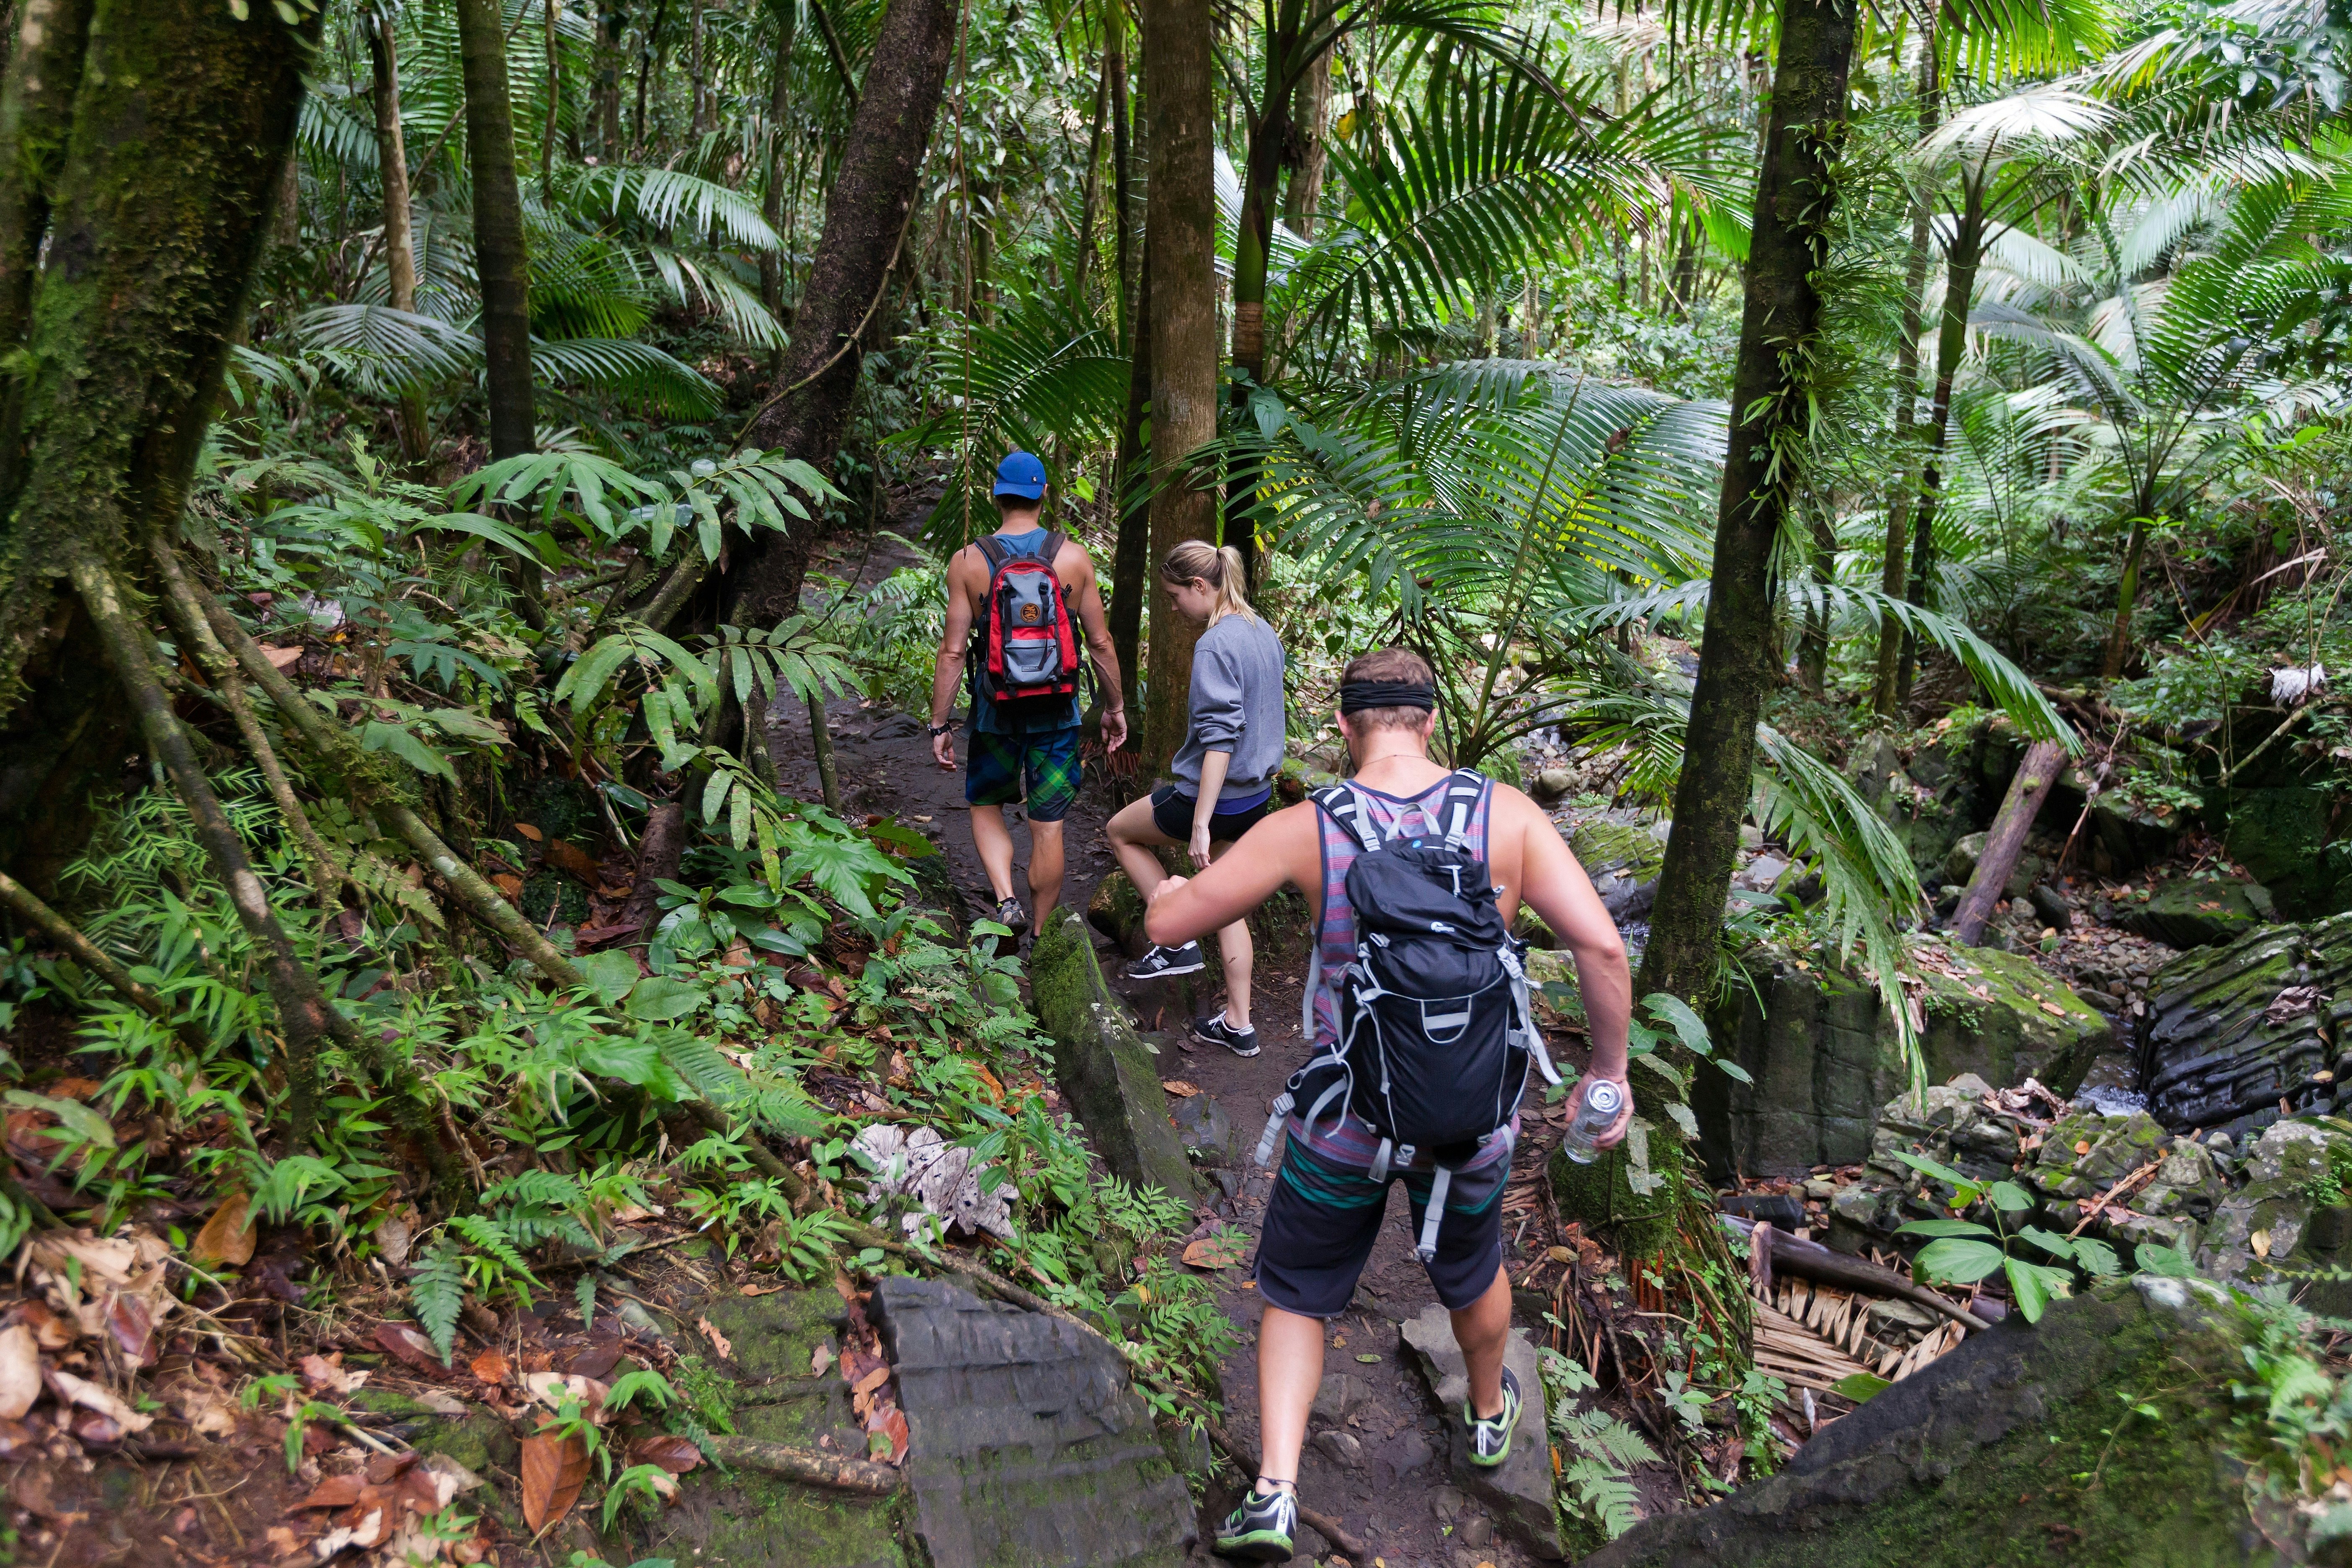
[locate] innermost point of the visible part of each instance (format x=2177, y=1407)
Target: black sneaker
x=1009, y=912
x=1262, y=1529
x=1490, y=1439
x=1161, y=962
x=1214, y=1031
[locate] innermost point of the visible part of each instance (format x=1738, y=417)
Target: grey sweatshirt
x=1237, y=707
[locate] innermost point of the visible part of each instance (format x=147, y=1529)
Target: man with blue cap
x=1013, y=600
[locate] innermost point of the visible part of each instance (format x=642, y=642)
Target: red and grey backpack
x=1029, y=648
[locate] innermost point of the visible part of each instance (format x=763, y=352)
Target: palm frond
x=632, y=371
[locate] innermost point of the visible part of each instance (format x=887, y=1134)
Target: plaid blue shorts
x=1049, y=759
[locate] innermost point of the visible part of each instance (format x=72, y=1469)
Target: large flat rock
x=1518, y=1492
x=1029, y=1446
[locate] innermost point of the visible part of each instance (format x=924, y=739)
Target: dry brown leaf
x=335, y=1492
x=1221, y=1251
x=1179, y=1087
x=567, y=856
x=507, y=882
x=821, y=1360
x=672, y=1453
x=20, y=1371
x=283, y=1540
x=553, y=1471
x=279, y=658
x=717, y=1340
x=325, y=1374
x=871, y=1381
x=409, y=1345
x=72, y=1390
x=768, y=1290
x=490, y=1367
x=228, y=1236
x=2054, y=1010
x=527, y=831
x=395, y=1232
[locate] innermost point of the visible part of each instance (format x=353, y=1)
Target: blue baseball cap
x=1020, y=473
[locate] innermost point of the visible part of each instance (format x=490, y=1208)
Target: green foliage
x=1961, y=1252
x=1595, y=1486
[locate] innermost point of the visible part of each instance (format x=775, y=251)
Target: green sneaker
x=1262, y=1529
x=1490, y=1437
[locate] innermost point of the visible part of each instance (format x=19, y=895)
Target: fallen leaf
x=20, y=1371
x=553, y=1471
x=228, y=1236
x=674, y=1454
x=717, y=1340
x=325, y=1374
x=409, y=1345
x=49, y=1331
x=871, y=1381
x=1220, y=1251
x=1179, y=1087
x=335, y=1492
x=72, y=1390
x=571, y=858
x=283, y=1541
x=395, y=1232
x=894, y=1426
x=820, y=1361
x=768, y=1290
x=507, y=882
x=527, y=831
x=2054, y=1010
x=490, y=1367
x=996, y=1088
x=2261, y=1242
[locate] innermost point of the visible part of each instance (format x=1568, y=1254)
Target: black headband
x=1356, y=695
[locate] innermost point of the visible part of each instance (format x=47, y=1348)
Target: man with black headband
x=1331, y=1189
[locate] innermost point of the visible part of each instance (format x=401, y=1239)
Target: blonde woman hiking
x=1224, y=772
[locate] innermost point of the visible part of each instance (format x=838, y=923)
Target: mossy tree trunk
x=865, y=220
x=1951, y=343
x=501, y=254
x=1795, y=192
x=399, y=234
x=1906, y=398
x=1180, y=235
x=1131, y=558
x=773, y=266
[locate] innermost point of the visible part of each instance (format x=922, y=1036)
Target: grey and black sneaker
x=1262, y=1529
x=1490, y=1437
x=1009, y=912
x=1214, y=1031
x=1162, y=963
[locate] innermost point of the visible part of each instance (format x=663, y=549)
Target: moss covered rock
x=1604, y=846
x=2281, y=836
x=2197, y=912
x=1109, y=1075
x=2000, y=1455
x=2232, y=1033
x=1822, y=1054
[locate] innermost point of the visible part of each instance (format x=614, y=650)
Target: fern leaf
x=492, y=1238
x=691, y=1057
x=584, y=1293
x=437, y=1289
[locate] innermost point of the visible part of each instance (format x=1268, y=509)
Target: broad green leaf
x=2168, y=1261
x=2009, y=1198
x=659, y=999
x=1956, y=1260
x=1860, y=1386
x=610, y=974
x=2025, y=1282
x=1926, y=1167
x=76, y=1118
x=1687, y=1026
x=1942, y=1227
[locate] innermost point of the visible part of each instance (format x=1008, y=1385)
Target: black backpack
x=1435, y=1029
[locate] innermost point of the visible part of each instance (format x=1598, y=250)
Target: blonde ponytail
x=1196, y=560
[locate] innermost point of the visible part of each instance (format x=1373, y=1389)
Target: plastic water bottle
x=1602, y=1101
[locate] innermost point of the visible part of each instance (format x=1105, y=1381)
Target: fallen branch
x=806, y=1464
x=2098, y=1206
x=1323, y=1524
x=1812, y=1260
x=86, y=953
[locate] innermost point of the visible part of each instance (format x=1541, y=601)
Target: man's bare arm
x=1097, y=624
x=1553, y=885
x=1282, y=848
x=947, y=668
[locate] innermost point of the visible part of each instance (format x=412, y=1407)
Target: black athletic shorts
x=1323, y=1217
x=1171, y=813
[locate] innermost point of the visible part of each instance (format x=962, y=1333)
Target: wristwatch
x=939, y=730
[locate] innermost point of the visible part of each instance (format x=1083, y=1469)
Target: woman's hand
x=1201, y=844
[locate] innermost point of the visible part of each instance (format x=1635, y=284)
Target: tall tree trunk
x=2037, y=771
x=1530, y=317
x=1906, y=398
x=1307, y=154
x=1813, y=647
x=122, y=341
x=1685, y=285
x=1090, y=208
x=609, y=24
x=1131, y=575
x=771, y=196
x=499, y=253
x=1180, y=234
x=399, y=232
x=1121, y=188
x=1795, y=192
x=2118, y=652
x=648, y=49
x=698, y=38
x=1951, y=343
x=1262, y=166
x=549, y=11
x=865, y=220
